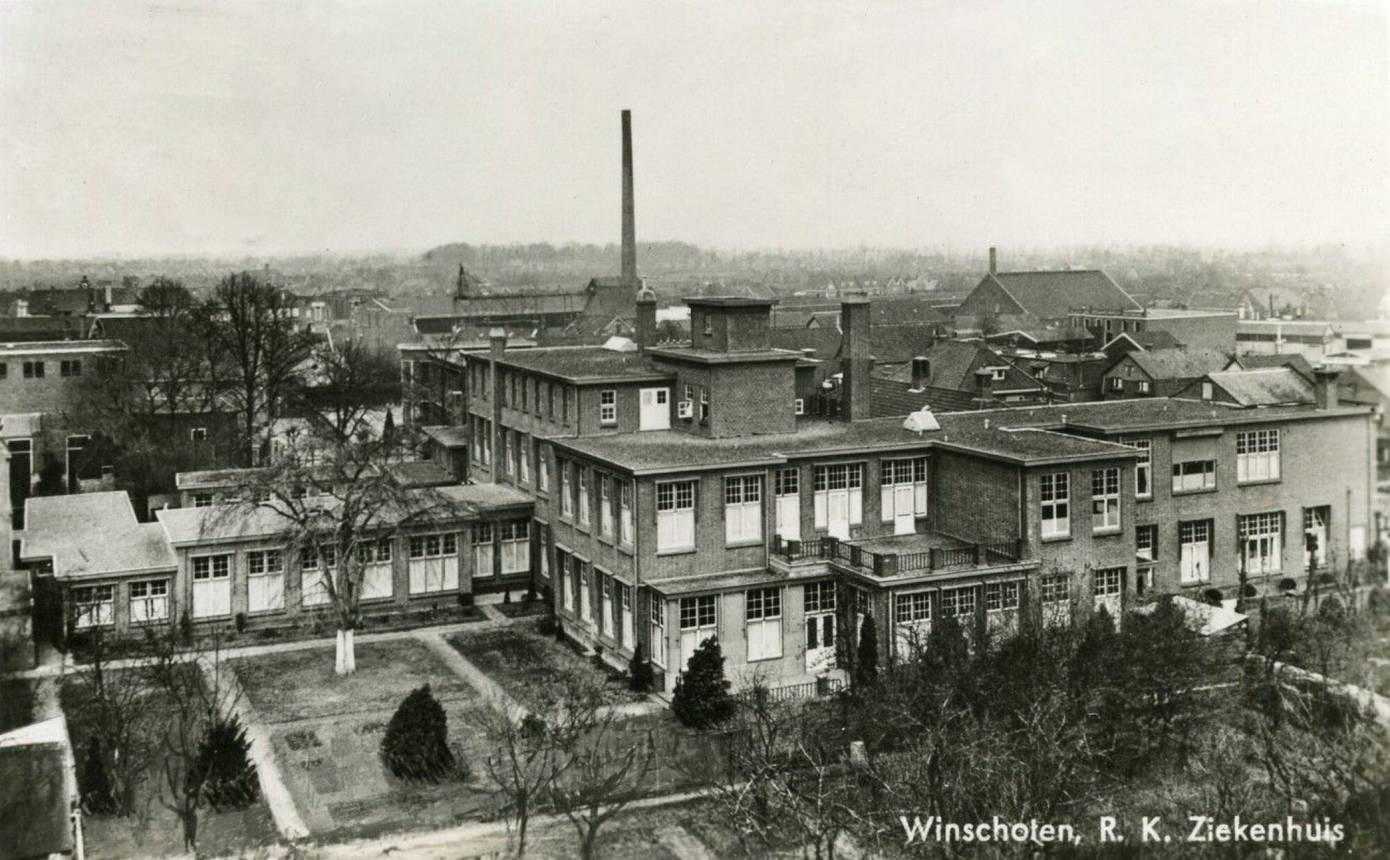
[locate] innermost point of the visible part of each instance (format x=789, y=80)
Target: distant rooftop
x=41, y=347
x=586, y=364
x=92, y=534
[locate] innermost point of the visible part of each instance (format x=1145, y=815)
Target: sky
x=132, y=129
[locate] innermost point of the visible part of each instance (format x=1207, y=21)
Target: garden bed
x=301, y=684
x=528, y=665
x=523, y=608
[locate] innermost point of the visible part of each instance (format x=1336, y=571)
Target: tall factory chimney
x=629, y=208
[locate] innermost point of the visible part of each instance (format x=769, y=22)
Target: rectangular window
x=1261, y=541
x=523, y=457
x=1001, y=596
x=70, y=367
x=482, y=550
x=675, y=516
x=704, y=404
x=698, y=622
x=92, y=606
x=624, y=513
x=763, y=617
x=1257, y=455
x=550, y=400
x=1194, y=476
x=838, y=492
x=149, y=600
x=605, y=606
x=1315, y=532
x=1054, y=492
x=608, y=407
x=434, y=563
x=565, y=405
x=33, y=370
x=515, y=540
x=377, y=574
x=566, y=489
x=1055, y=589
x=1105, y=500
x=582, y=495
x=1143, y=467
x=820, y=597
x=525, y=391
x=1194, y=542
x=212, y=586
x=1105, y=583
x=562, y=567
x=625, y=632
x=202, y=500
x=605, y=506
x=656, y=620
x=542, y=470
x=265, y=581
x=911, y=499
x=958, y=602
x=743, y=509
x=1146, y=543
x=586, y=594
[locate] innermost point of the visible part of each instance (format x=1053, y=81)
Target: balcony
x=901, y=554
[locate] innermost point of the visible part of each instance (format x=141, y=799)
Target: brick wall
x=973, y=499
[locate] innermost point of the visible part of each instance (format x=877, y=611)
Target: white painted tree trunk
x=345, y=662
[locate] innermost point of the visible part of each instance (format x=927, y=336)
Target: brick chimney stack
x=629, y=207
x=921, y=372
x=993, y=260
x=856, y=364
x=984, y=384
x=1325, y=390
x=646, y=318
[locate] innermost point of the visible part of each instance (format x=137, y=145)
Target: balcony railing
x=892, y=563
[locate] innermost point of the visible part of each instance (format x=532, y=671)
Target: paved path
x=489, y=689
x=681, y=843
x=1379, y=703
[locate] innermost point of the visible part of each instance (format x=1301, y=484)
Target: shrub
x=186, y=628
x=466, y=599
x=507, y=596
x=1213, y=596
x=224, y=761
x=640, y=675
x=94, y=784
x=866, y=656
x=241, y=622
x=416, y=744
x=702, y=698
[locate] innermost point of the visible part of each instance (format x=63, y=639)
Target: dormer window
x=608, y=407
x=997, y=373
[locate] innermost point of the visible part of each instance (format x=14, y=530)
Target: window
x=1105, y=500
x=1257, y=456
x=915, y=606
x=1315, y=533
x=704, y=403
x=515, y=538
x=33, y=370
x=1001, y=596
x=508, y=454
x=565, y=405
x=70, y=367
x=799, y=406
x=1054, y=491
x=1105, y=583
x=586, y=597
x=149, y=600
x=377, y=575
x=819, y=600
x=433, y=563
x=958, y=602
x=197, y=434
x=265, y=580
x=911, y=477
x=605, y=506
x=608, y=407
x=624, y=512
x=1117, y=384
x=550, y=401
x=1206, y=390
x=542, y=470
x=92, y=606
x=523, y=456
x=743, y=509
x=838, y=497
x=1055, y=589
x=562, y=566
x=605, y=614
x=525, y=391
x=212, y=586
x=625, y=608
x=202, y=500
x=656, y=620
x=317, y=566
x=1194, y=476
x=1146, y=543
x=697, y=612
x=763, y=617
x=911, y=621
x=1194, y=541
x=482, y=550
x=1261, y=541
x=675, y=516
x=583, y=494
x=4, y=370
x=1143, y=467
x=787, y=484
x=1144, y=386
x=566, y=490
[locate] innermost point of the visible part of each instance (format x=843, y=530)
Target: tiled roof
x=893, y=397
x=1051, y=295
x=953, y=364
x=92, y=534
x=1295, y=361
x=1179, y=363
x=1268, y=387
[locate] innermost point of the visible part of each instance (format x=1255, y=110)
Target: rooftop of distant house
x=1054, y=294
x=1177, y=363
x=53, y=347
x=1023, y=435
x=92, y=534
x=410, y=473
x=1152, y=313
x=1270, y=386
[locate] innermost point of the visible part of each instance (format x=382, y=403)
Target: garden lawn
x=301, y=684
x=16, y=703
x=527, y=664
x=154, y=831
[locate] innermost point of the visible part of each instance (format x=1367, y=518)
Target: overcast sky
x=136, y=129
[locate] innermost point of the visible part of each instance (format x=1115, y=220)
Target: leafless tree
x=522, y=764
x=115, y=704
x=347, y=380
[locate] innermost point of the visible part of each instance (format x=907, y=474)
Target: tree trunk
x=345, y=658
x=522, y=814
x=590, y=838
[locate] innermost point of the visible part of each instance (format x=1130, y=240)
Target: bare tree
x=522, y=765
x=335, y=503
x=115, y=704
x=348, y=380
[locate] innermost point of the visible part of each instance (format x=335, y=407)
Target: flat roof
x=88, y=535
x=729, y=302
x=732, y=356
x=590, y=364
x=53, y=347
x=1024, y=435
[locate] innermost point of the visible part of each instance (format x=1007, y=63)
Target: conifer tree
x=702, y=697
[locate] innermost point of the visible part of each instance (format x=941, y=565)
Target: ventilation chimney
x=921, y=372
x=646, y=318
x=984, y=378
x=629, y=207
x=1325, y=391
x=856, y=363
x=993, y=261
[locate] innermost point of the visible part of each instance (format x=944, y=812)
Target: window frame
x=1054, y=493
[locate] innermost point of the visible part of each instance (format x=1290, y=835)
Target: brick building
x=681, y=494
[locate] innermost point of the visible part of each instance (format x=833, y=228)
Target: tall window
x=1143, y=467
x=960, y=603
x=212, y=586
x=317, y=565
x=1261, y=541
x=377, y=574
x=586, y=594
x=523, y=459
x=562, y=566
x=897, y=479
x=820, y=615
x=1257, y=455
x=1315, y=532
x=1194, y=476
x=608, y=407
x=1055, y=593
x=704, y=403
x=542, y=470
x=1105, y=500
x=675, y=516
x=550, y=400
x=698, y=623
x=743, y=508
x=482, y=549
x=625, y=608
x=838, y=497
x=1001, y=596
x=787, y=484
x=582, y=501
x=1054, y=491
x=656, y=620
x=763, y=618
x=149, y=600
x=434, y=563
x=605, y=607
x=1146, y=543
x=265, y=580
x=605, y=506
x=625, y=513
x=566, y=489
x=515, y=539
x=1194, y=542
x=92, y=606
x=911, y=621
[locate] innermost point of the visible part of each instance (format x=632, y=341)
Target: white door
x=837, y=516
x=820, y=642
x=789, y=517
x=655, y=413
x=903, y=522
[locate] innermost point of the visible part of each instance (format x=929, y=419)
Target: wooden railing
x=811, y=689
